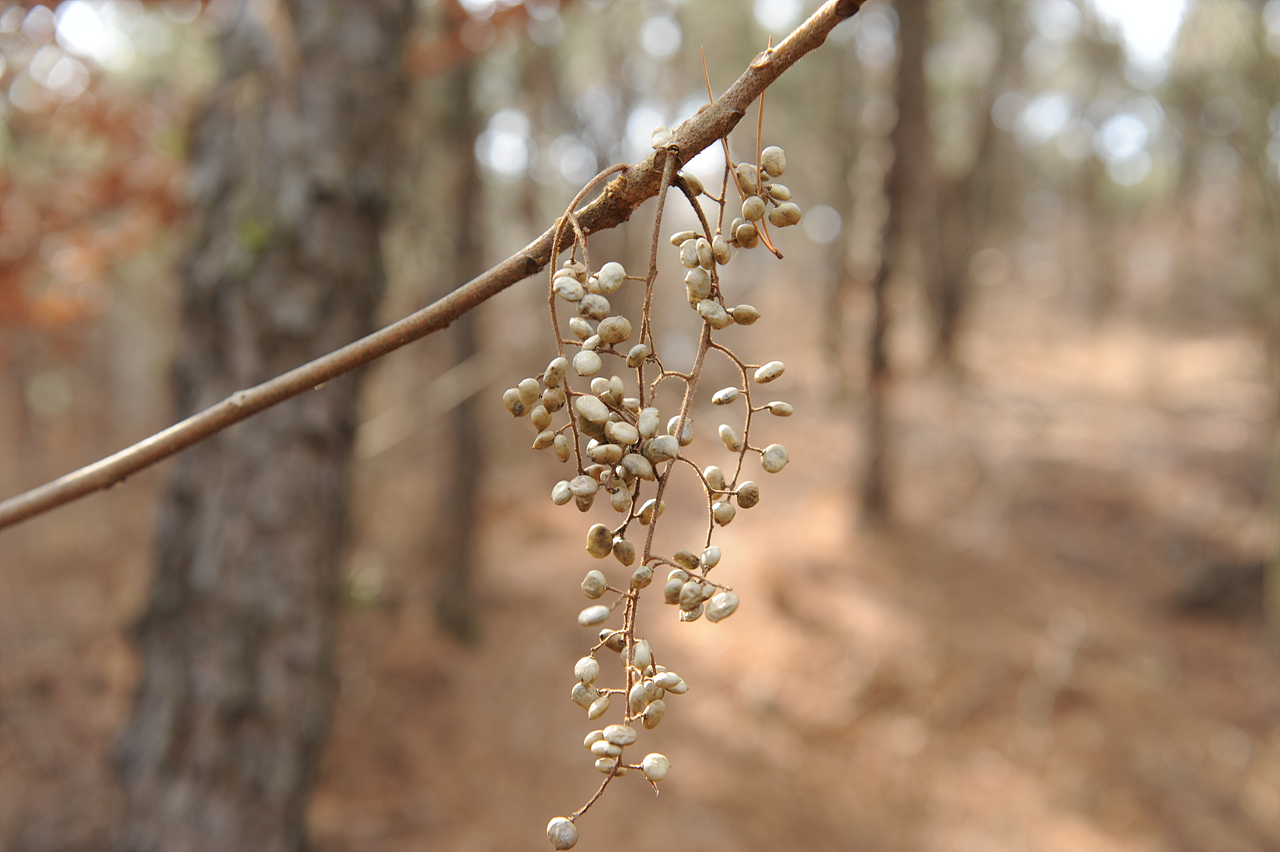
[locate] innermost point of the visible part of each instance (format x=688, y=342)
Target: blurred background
x=1009, y=593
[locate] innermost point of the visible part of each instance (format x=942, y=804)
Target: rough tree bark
x=906, y=184
x=291, y=161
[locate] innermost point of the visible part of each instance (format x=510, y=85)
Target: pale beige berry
x=690, y=595
x=748, y=494
x=562, y=833
x=643, y=655
x=681, y=237
x=686, y=434
x=592, y=343
x=778, y=191
x=780, y=409
x=660, y=449
x=721, y=250
x=599, y=541
x=661, y=137
x=714, y=477
x=687, y=559
x=529, y=390
x=560, y=493
x=638, y=354
x=584, y=503
x=752, y=210
x=616, y=390
x=647, y=514
x=594, y=585
x=609, y=454
x=517, y=406
x=620, y=500
x=614, y=640
x=745, y=175
x=610, y=277
x=614, y=330
x=555, y=372
x=785, y=215
x=695, y=185
x=638, y=466
x=636, y=698
x=624, y=551
x=744, y=314
x=723, y=512
x=773, y=160
x=592, y=738
x=687, y=615
x=591, y=408
x=586, y=363
x=774, y=458
x=568, y=288
x=653, y=714
x=581, y=328
x=553, y=399
x=599, y=386
x=621, y=735
x=545, y=439
x=642, y=577
x=563, y=449
x=540, y=416
x=654, y=766
x=679, y=689
x=666, y=680
x=724, y=396
x=689, y=253
x=769, y=372
x=583, y=485
x=594, y=307
x=714, y=314
x=583, y=695
x=590, y=617
x=721, y=606
x=710, y=558
x=706, y=259
x=647, y=422
x=587, y=670
x=598, y=708
x=697, y=285
x=606, y=764
x=730, y=438
x=671, y=591
x=748, y=236
x=632, y=404
x=622, y=432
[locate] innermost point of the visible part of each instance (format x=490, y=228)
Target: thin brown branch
x=612, y=207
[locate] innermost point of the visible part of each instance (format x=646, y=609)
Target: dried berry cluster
x=620, y=448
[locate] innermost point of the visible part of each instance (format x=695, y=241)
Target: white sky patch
x=1149, y=27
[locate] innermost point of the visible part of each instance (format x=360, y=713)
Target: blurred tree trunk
x=291, y=161
x=908, y=185
x=462, y=462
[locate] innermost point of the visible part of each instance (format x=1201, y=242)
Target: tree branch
x=612, y=207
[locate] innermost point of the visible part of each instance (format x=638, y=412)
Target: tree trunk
x=291, y=161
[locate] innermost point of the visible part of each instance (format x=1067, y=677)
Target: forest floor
x=1057, y=645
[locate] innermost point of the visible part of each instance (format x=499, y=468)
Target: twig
x=612, y=207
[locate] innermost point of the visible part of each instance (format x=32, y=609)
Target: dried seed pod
x=679, y=689
x=681, y=237
x=568, y=288
x=555, y=372
x=529, y=390
x=773, y=160
x=723, y=512
x=710, y=558
x=553, y=399
x=671, y=591
x=593, y=306
x=604, y=453
x=785, y=214
x=587, y=670
x=591, y=429
x=730, y=438
x=606, y=764
x=721, y=606
x=660, y=449
x=540, y=416
x=714, y=477
x=620, y=500
x=695, y=185
x=624, y=551
x=647, y=422
x=562, y=833
x=638, y=354
x=604, y=748
x=778, y=192
x=581, y=328
x=622, y=432
x=563, y=449
x=614, y=330
x=690, y=595
x=654, y=766
x=583, y=695
x=616, y=389
x=610, y=277
x=622, y=735
x=661, y=137
x=638, y=466
x=583, y=485
x=587, y=363
x=599, y=386
x=647, y=514
x=774, y=458
x=599, y=542
x=748, y=494
x=706, y=259
x=747, y=235
x=598, y=708
x=689, y=253
x=780, y=409
x=635, y=698
x=653, y=714
x=724, y=396
x=686, y=434
x=594, y=585
x=590, y=617
x=721, y=250
x=769, y=372
x=511, y=399
x=643, y=653
x=687, y=560
x=744, y=314
x=614, y=640
x=687, y=615
x=632, y=404
x=697, y=284
x=592, y=738
x=591, y=408
x=752, y=210
x=745, y=175
x=575, y=268
x=592, y=343
x=545, y=439
x=666, y=680
x=560, y=493
x=584, y=503
x=642, y=577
